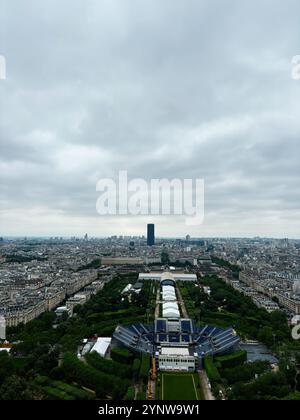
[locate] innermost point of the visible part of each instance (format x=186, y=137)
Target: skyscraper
x=150, y=235
x=2, y=328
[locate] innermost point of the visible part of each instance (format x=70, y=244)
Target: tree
x=130, y=394
x=6, y=366
x=145, y=367
x=122, y=355
x=15, y=389
x=266, y=336
x=293, y=397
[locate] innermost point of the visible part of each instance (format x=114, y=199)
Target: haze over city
x=162, y=89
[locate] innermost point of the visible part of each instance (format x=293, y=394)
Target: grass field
x=180, y=387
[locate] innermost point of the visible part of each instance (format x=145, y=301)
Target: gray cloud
x=160, y=88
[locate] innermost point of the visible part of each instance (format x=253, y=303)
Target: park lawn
x=176, y=387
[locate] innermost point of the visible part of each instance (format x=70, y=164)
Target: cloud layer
x=194, y=89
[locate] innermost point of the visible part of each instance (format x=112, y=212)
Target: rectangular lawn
x=179, y=387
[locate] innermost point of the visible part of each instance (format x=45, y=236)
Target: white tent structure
x=169, y=297
x=168, y=288
x=102, y=346
x=168, y=294
x=171, y=310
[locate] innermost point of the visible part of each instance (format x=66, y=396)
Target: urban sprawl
x=39, y=275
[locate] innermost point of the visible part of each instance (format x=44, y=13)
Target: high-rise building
x=2, y=328
x=150, y=235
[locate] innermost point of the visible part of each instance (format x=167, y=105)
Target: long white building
x=176, y=276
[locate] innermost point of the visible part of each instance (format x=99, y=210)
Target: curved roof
x=172, y=305
x=171, y=313
x=169, y=294
x=170, y=298
x=167, y=276
x=168, y=282
x=168, y=288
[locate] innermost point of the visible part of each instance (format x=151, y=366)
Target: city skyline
x=92, y=237
x=157, y=90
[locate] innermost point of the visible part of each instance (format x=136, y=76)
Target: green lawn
x=180, y=387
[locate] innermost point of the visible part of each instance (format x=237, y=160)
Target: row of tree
x=41, y=344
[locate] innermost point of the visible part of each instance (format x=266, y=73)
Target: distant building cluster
x=38, y=275
x=270, y=271
x=21, y=307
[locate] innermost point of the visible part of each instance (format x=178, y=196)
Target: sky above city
x=162, y=89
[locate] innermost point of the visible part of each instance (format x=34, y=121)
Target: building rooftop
x=102, y=345
x=175, y=351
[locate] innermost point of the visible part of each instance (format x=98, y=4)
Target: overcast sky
x=161, y=88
